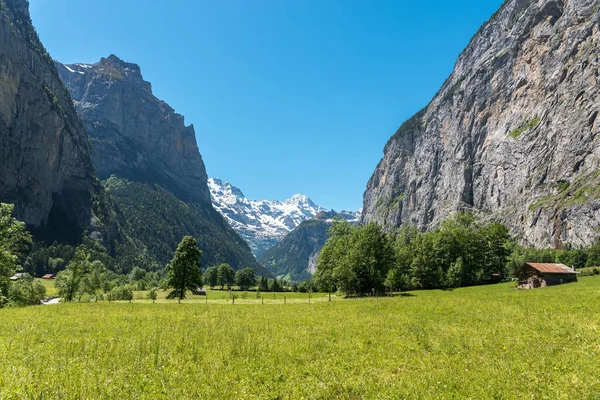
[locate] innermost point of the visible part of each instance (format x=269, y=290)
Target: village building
x=199, y=291
x=16, y=277
x=538, y=275
x=48, y=276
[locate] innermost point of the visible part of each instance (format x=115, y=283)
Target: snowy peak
x=262, y=223
x=300, y=200
x=225, y=192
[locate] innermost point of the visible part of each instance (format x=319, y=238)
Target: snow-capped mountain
x=262, y=223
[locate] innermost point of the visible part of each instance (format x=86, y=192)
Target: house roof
x=48, y=276
x=548, y=268
x=16, y=276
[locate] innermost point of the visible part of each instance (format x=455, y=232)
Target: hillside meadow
x=480, y=342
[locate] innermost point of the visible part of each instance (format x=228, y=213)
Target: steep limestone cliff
x=150, y=164
x=512, y=134
x=134, y=134
x=45, y=163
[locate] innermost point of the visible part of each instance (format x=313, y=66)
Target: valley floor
x=481, y=342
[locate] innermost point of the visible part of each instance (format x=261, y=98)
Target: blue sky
x=286, y=96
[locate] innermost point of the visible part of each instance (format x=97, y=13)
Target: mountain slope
x=513, y=132
x=160, y=182
x=134, y=134
x=159, y=219
x=45, y=155
x=295, y=257
x=262, y=223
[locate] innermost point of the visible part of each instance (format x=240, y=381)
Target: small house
x=199, y=291
x=16, y=277
x=48, y=276
x=538, y=275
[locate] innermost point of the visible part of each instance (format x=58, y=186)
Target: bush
x=121, y=293
x=26, y=292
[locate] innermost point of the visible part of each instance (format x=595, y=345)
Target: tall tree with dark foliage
x=184, y=272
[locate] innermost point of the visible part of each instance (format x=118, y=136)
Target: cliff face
x=45, y=163
x=512, y=134
x=159, y=180
x=134, y=134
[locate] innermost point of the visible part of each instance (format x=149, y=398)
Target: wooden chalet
x=48, y=276
x=538, y=275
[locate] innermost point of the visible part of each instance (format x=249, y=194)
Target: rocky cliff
x=134, y=134
x=150, y=164
x=45, y=155
x=512, y=134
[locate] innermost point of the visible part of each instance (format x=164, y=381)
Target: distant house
x=538, y=275
x=199, y=291
x=16, y=277
x=48, y=276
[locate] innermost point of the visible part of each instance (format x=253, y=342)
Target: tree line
x=87, y=272
x=463, y=251
x=363, y=260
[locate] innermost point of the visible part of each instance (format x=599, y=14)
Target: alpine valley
x=295, y=257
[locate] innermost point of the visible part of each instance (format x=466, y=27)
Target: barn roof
x=548, y=268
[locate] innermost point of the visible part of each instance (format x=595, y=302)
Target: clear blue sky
x=286, y=96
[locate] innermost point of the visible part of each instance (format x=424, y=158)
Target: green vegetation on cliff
x=159, y=220
x=290, y=258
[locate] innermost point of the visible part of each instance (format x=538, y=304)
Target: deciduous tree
x=184, y=273
x=245, y=279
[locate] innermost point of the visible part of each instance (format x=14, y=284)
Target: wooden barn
x=538, y=275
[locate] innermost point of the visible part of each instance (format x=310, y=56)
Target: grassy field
x=483, y=342
x=248, y=297
x=49, y=285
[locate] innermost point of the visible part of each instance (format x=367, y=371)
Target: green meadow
x=486, y=342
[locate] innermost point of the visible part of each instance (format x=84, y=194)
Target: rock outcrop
x=134, y=134
x=512, y=134
x=150, y=163
x=45, y=156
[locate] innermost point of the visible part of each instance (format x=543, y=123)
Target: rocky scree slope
x=512, y=134
x=295, y=257
x=262, y=223
x=45, y=155
x=150, y=163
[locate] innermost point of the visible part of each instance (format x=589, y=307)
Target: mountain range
x=513, y=135
x=262, y=223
